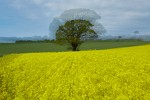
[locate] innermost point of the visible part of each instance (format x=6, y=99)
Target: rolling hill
x=112, y=74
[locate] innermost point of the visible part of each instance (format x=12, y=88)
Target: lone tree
x=78, y=14
x=72, y=32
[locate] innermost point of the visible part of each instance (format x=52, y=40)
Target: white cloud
x=38, y=1
x=17, y=4
x=115, y=14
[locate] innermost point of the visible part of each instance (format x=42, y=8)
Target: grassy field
x=113, y=74
x=8, y=48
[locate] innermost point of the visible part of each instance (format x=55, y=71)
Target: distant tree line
x=121, y=40
x=35, y=41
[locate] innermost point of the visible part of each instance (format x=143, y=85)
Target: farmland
x=112, y=74
x=11, y=48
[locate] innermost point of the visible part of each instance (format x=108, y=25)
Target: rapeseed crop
x=113, y=74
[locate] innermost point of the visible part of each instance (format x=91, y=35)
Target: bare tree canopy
x=77, y=14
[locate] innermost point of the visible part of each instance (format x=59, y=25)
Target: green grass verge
x=9, y=48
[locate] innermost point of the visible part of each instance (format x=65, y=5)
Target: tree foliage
x=72, y=31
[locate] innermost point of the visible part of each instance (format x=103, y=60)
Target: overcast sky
x=32, y=17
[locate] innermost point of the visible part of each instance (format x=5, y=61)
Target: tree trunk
x=74, y=47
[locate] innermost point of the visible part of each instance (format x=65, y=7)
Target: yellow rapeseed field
x=113, y=74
